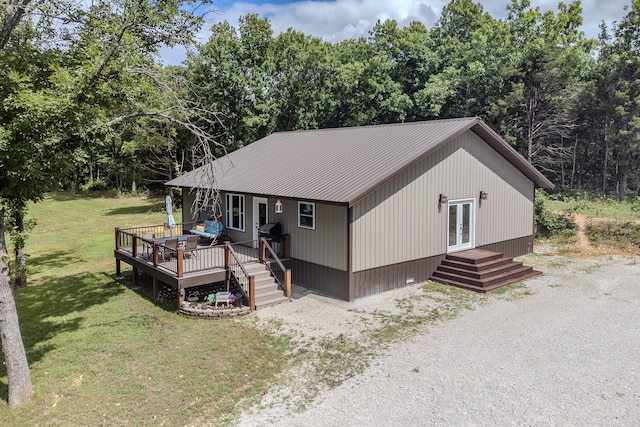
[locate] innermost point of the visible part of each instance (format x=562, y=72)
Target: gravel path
x=567, y=353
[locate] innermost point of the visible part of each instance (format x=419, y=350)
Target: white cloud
x=337, y=20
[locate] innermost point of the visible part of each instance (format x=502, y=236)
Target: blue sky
x=336, y=20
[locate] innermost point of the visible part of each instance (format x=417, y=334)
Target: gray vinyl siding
x=188, y=197
x=400, y=220
x=327, y=244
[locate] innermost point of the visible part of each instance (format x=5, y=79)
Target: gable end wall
x=400, y=221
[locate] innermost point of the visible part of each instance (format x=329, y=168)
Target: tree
x=547, y=56
x=469, y=52
x=94, y=86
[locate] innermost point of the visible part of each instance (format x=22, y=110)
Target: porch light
x=483, y=195
x=278, y=206
x=443, y=199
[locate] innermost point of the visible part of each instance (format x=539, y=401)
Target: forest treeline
x=569, y=104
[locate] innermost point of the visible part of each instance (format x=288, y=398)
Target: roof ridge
x=417, y=122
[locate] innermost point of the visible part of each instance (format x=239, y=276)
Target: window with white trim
x=235, y=212
x=307, y=215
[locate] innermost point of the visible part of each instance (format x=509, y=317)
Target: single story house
x=374, y=208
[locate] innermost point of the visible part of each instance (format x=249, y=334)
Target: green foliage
x=618, y=234
x=593, y=205
x=549, y=223
x=100, y=349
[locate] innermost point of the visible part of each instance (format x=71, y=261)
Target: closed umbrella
x=171, y=222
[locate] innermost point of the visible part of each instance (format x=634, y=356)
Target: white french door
x=461, y=225
x=260, y=214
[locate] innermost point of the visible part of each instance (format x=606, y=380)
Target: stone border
x=212, y=313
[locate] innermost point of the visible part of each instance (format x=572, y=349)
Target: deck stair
x=267, y=290
x=480, y=270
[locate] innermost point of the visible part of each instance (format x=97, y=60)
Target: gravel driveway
x=564, y=350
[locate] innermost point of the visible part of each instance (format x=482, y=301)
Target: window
x=235, y=212
x=307, y=215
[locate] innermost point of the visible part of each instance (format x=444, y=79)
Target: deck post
x=118, y=272
x=261, y=250
x=135, y=277
x=286, y=251
x=252, y=293
x=156, y=290
x=155, y=254
x=227, y=255
x=134, y=245
x=180, y=262
x=287, y=283
x=180, y=297
x=118, y=241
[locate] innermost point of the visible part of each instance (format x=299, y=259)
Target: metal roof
x=343, y=164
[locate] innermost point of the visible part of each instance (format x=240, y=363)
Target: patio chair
x=147, y=244
x=171, y=245
x=190, y=245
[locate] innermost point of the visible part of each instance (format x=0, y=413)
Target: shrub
x=614, y=233
x=549, y=223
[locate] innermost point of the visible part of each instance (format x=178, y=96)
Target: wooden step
x=267, y=291
x=496, y=262
x=480, y=270
x=488, y=288
x=482, y=273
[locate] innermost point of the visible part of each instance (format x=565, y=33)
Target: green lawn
x=102, y=353
x=611, y=209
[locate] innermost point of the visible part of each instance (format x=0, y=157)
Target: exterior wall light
x=483, y=195
x=443, y=199
x=278, y=207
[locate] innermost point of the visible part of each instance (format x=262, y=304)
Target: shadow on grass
x=70, y=196
x=151, y=207
x=59, y=259
x=167, y=296
x=41, y=307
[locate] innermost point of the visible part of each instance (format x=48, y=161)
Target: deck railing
x=178, y=261
x=279, y=272
x=228, y=256
x=239, y=274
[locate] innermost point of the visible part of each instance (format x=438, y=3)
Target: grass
x=597, y=208
x=103, y=353
x=622, y=234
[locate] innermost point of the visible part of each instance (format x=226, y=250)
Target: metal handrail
x=234, y=255
x=283, y=275
x=274, y=259
x=248, y=284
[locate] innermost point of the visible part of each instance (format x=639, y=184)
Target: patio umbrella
x=171, y=222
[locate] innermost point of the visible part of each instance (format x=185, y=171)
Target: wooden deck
x=204, y=265
x=182, y=269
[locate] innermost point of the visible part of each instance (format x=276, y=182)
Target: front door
x=260, y=214
x=461, y=225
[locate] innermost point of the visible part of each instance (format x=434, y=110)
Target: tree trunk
x=20, y=273
x=15, y=358
x=605, y=160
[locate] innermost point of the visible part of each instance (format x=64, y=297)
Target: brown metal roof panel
x=332, y=164
x=341, y=164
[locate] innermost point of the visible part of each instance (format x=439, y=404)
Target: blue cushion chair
x=212, y=229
